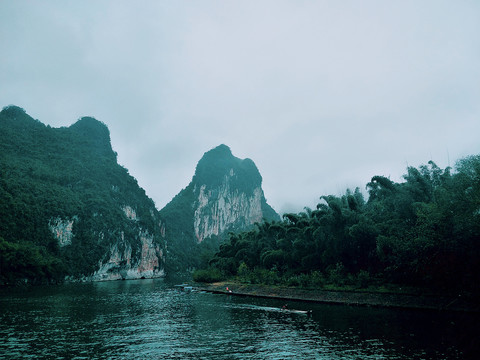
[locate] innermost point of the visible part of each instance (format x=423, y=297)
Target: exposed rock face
x=62, y=229
x=137, y=257
x=224, y=195
x=225, y=209
x=228, y=194
x=129, y=212
x=120, y=264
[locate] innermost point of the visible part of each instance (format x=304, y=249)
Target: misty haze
x=225, y=180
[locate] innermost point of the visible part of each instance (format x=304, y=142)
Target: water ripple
x=149, y=319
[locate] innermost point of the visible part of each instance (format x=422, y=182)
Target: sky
x=321, y=95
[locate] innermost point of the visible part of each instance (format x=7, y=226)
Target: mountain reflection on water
x=150, y=319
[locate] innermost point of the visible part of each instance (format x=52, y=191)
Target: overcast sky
x=321, y=95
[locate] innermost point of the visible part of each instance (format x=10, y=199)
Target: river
x=151, y=319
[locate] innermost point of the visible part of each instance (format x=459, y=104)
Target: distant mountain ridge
x=225, y=195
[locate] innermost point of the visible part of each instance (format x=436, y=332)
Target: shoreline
x=352, y=298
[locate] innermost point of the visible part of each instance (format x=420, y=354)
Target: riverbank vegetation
x=423, y=233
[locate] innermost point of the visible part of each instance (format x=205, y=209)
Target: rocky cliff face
x=62, y=230
x=228, y=194
x=68, y=209
x=120, y=264
x=225, y=209
x=140, y=257
x=225, y=195
x=137, y=255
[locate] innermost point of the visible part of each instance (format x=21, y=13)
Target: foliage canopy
x=422, y=232
x=68, y=173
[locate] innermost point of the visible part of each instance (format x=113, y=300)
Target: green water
x=150, y=319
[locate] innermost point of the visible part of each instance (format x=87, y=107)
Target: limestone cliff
x=223, y=209
x=120, y=264
x=225, y=195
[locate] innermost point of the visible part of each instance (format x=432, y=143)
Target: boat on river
x=283, y=309
x=186, y=288
x=294, y=311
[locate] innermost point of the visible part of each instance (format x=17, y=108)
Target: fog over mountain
x=322, y=95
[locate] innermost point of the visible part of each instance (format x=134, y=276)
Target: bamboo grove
x=423, y=232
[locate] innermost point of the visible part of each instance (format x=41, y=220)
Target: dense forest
x=422, y=232
x=69, y=173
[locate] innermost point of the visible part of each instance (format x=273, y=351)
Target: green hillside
x=68, y=173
